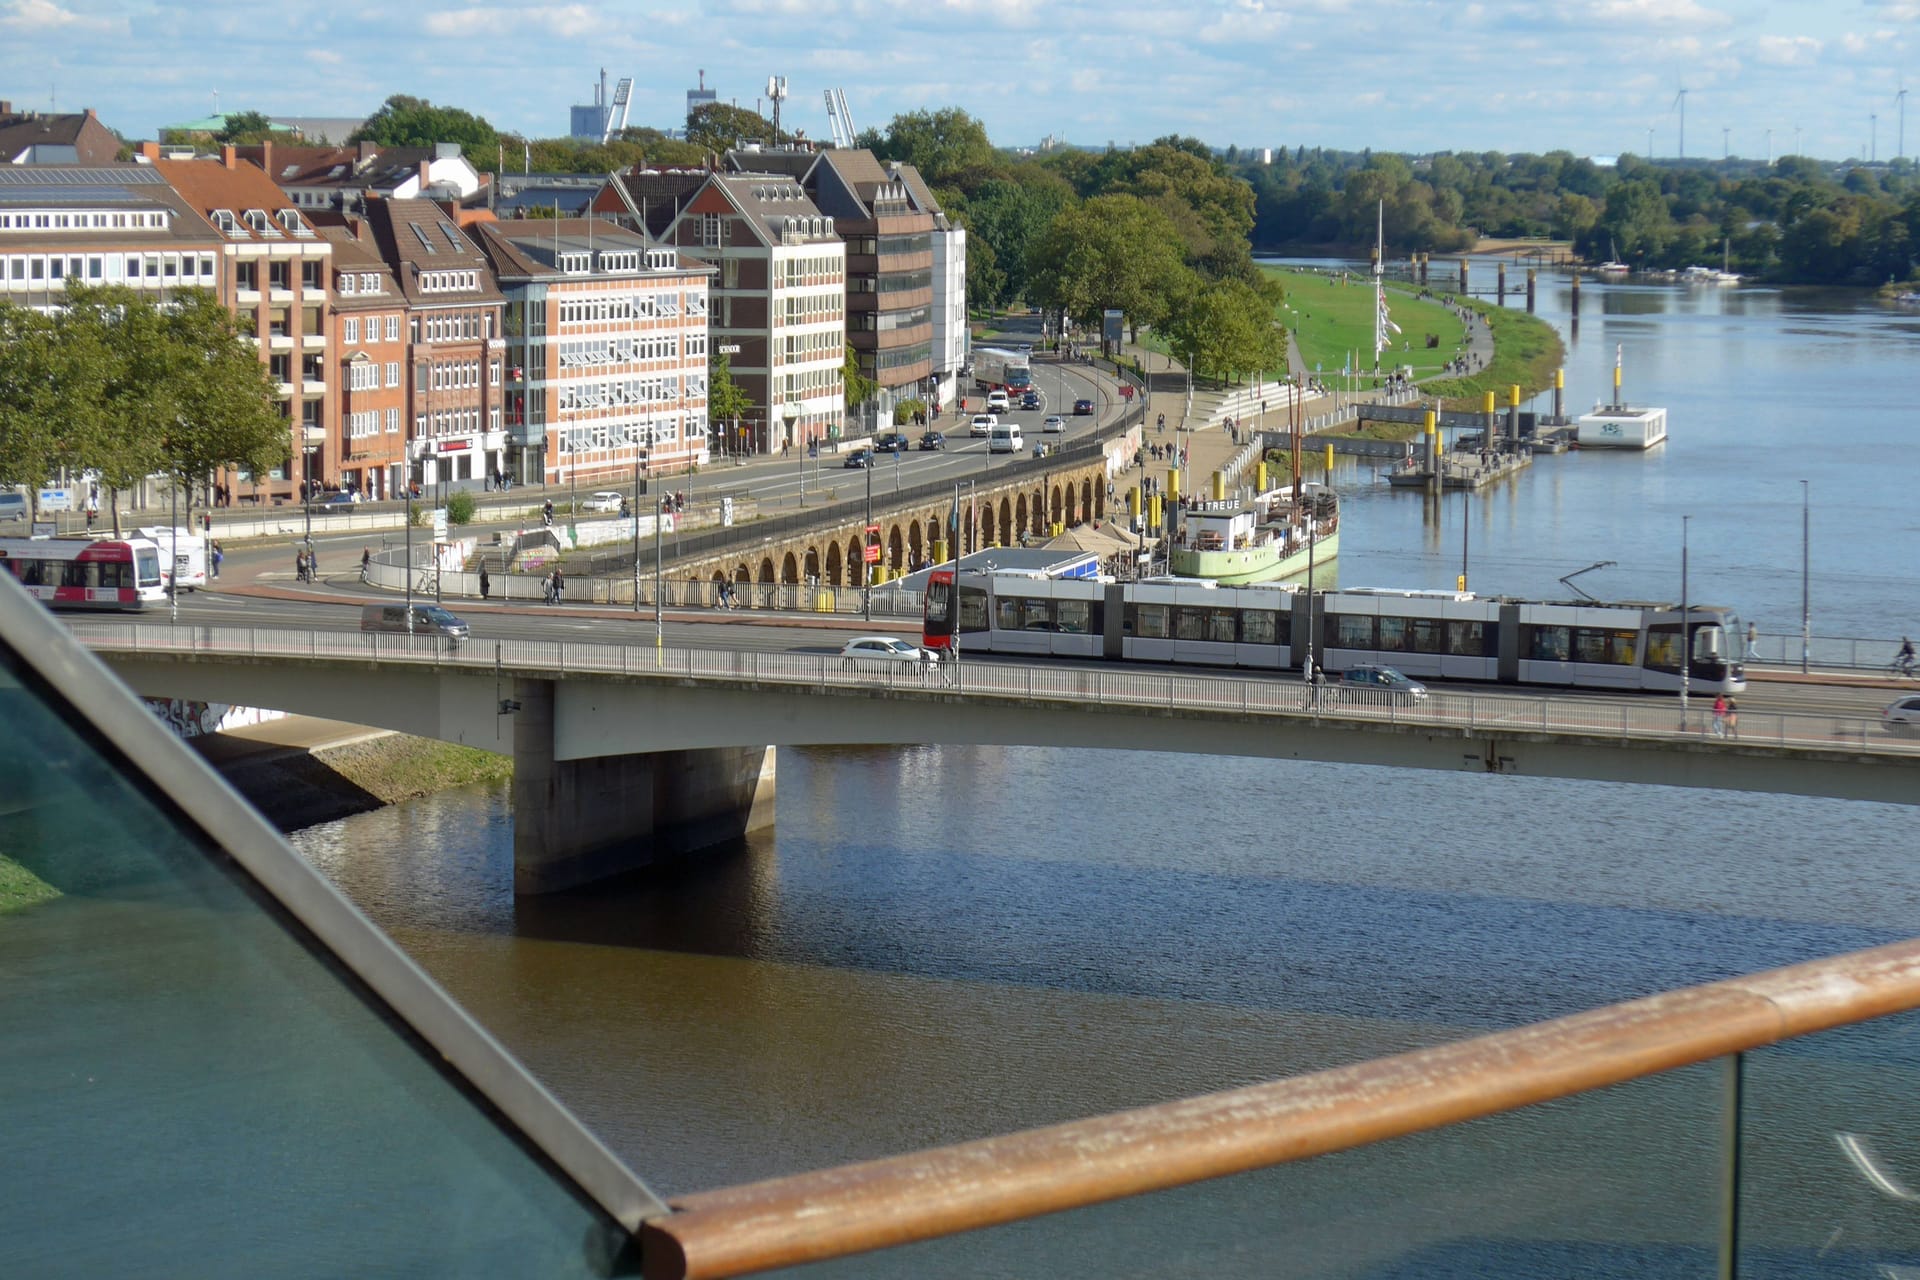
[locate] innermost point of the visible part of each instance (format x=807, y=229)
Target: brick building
x=274, y=277
x=606, y=340
x=367, y=442
x=40, y=137
x=779, y=292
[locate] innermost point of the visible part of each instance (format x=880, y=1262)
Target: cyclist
x=1904, y=659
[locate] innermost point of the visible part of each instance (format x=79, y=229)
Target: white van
x=14, y=507
x=1005, y=438
x=182, y=551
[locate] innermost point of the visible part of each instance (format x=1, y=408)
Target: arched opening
x=856, y=567
x=834, y=563
x=742, y=574
x=916, y=548
x=1057, y=506
x=986, y=528
x=896, y=551
x=813, y=564
x=1006, y=525
x=766, y=569
x=1090, y=498
x=1019, y=524
x=789, y=569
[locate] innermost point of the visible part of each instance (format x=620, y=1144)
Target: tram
x=1443, y=635
x=71, y=573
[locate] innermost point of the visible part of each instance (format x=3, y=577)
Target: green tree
x=223, y=397
x=35, y=426
x=1226, y=330
x=246, y=127
x=858, y=387
x=946, y=146
x=404, y=121
x=720, y=126
x=1110, y=252
x=726, y=400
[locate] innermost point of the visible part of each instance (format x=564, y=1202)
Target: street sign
x=1110, y=324
x=56, y=499
x=439, y=524
x=726, y=513
x=728, y=349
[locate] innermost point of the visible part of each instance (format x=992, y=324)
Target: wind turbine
x=1726, y=146
x=1901, y=98
x=1680, y=101
x=1873, y=136
x=1769, y=148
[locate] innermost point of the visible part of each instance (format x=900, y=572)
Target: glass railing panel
x=1830, y=1154
x=1621, y=1182
x=190, y=1086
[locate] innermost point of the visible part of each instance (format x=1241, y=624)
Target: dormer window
x=576, y=264
x=347, y=283
x=224, y=220
x=290, y=219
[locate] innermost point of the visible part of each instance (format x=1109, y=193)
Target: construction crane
x=622, y=93
x=839, y=119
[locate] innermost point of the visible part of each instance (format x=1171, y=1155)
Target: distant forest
x=1796, y=221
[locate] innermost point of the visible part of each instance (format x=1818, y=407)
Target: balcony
x=313, y=341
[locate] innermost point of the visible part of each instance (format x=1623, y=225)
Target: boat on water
x=1270, y=536
x=1620, y=425
x=1613, y=266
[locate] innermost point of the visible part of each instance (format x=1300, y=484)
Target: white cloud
x=42, y=16
x=1787, y=51
x=569, y=21
x=1657, y=13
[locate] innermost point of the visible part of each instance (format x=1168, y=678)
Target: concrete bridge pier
x=576, y=821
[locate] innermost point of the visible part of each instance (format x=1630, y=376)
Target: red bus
x=72, y=573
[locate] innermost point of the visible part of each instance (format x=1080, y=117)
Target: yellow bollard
x=1489, y=408
x=1173, y=482
x=939, y=550
x=1260, y=476
x=1513, y=395
x=1219, y=486
x=1154, y=510
x=1329, y=459
x=1431, y=430
x=1133, y=503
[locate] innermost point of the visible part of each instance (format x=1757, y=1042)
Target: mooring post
x=1500, y=289
x=1531, y=273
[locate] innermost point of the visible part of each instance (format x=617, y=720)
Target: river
x=937, y=944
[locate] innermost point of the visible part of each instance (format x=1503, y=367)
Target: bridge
x=625, y=754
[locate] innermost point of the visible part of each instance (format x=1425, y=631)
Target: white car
x=605, y=500
x=885, y=648
x=1054, y=423
x=1902, y=716
x=998, y=400
x=983, y=424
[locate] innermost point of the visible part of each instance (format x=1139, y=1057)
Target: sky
x=1588, y=76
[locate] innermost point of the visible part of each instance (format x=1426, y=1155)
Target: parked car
x=344, y=498
x=1054, y=423
x=1902, y=715
x=857, y=459
x=14, y=506
x=983, y=424
x=1081, y=408
x=998, y=400
x=932, y=440
x=891, y=442
x=884, y=648
x=1030, y=400
x=1384, y=680
x=605, y=500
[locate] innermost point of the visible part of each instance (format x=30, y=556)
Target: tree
x=721, y=126
x=858, y=387
x=246, y=127
x=945, y=145
x=1227, y=330
x=726, y=400
x=35, y=439
x=404, y=121
x=223, y=397
x=1111, y=252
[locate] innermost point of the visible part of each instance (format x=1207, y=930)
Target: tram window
x=1393, y=635
x=1072, y=616
x=114, y=576
x=1599, y=645
x=1468, y=640
x=939, y=600
x=1189, y=623
x=1258, y=626
x=29, y=571
x=1149, y=621
x=1350, y=631
x=79, y=575
x=1546, y=644
x=1425, y=635
x=973, y=609
x=1006, y=613
x=1663, y=648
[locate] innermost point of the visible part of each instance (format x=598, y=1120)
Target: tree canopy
x=946, y=146
x=720, y=126
x=1114, y=251
x=404, y=121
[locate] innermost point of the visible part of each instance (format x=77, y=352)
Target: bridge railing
x=1624, y=718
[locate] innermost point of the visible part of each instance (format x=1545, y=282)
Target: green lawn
x=20, y=888
x=1331, y=320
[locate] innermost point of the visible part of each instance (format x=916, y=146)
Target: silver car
x=1902, y=715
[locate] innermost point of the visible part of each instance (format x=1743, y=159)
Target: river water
x=937, y=944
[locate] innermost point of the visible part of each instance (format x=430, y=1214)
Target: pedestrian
x=299, y=563
x=206, y=523
x=1720, y=716
x=366, y=562
x=483, y=581
x=1733, y=718
x=217, y=557
x=559, y=584
x=1753, y=643
x=313, y=563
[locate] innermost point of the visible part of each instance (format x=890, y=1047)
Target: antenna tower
x=777, y=92
x=1680, y=101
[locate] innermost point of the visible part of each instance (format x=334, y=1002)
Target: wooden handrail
x=927, y=1194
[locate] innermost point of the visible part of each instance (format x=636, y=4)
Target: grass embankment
x=1330, y=319
x=20, y=888
x=1526, y=351
x=396, y=768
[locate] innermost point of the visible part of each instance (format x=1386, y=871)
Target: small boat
x=1620, y=425
x=1613, y=266
x=1261, y=539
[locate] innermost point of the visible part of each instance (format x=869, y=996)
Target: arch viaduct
x=996, y=512
x=624, y=755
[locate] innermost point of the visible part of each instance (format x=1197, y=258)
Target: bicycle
x=1902, y=668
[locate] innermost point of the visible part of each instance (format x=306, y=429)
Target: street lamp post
x=659, y=621
x=409, y=573
x=1806, y=609
x=792, y=416
x=173, y=549
x=1686, y=640
x=636, y=535
x=866, y=569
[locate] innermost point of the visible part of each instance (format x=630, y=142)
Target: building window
x=393, y=328
x=350, y=330
x=710, y=230
x=393, y=373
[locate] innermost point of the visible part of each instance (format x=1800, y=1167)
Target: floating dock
x=1461, y=471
